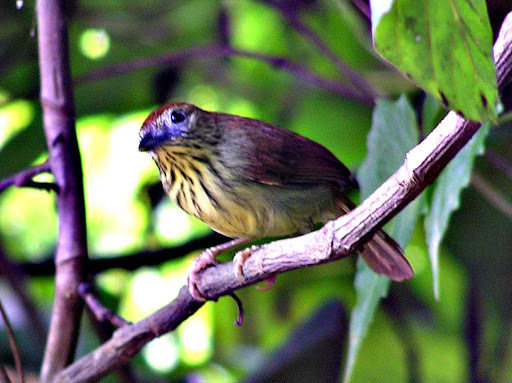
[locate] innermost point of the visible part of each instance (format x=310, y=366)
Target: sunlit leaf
x=443, y=46
x=446, y=197
x=394, y=132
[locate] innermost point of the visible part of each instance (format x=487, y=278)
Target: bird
x=248, y=179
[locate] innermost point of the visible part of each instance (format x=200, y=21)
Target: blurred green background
x=463, y=336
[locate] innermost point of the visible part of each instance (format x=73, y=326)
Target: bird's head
x=176, y=124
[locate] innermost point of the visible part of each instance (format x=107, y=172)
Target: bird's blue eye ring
x=177, y=117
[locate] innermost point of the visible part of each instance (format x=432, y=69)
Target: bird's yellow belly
x=249, y=209
x=258, y=211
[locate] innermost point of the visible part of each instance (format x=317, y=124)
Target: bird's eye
x=177, y=117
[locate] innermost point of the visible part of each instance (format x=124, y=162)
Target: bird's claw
x=238, y=263
x=205, y=259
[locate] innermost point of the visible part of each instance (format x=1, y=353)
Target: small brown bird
x=248, y=179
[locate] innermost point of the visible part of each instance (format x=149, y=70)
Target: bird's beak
x=149, y=142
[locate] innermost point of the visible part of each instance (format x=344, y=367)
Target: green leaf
x=370, y=287
x=446, y=197
x=432, y=113
x=443, y=46
x=393, y=133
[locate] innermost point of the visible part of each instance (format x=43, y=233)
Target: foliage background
x=463, y=336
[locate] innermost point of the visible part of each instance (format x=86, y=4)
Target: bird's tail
x=384, y=256
x=381, y=253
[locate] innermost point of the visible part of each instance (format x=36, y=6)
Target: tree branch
x=356, y=79
x=335, y=240
x=133, y=261
x=24, y=178
x=128, y=340
x=196, y=53
x=59, y=125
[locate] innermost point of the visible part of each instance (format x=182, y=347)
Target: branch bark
x=335, y=240
x=59, y=125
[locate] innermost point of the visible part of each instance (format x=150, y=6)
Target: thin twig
x=211, y=51
x=128, y=340
x=493, y=196
x=240, y=320
x=4, y=377
x=356, y=79
x=104, y=330
x=499, y=162
x=133, y=261
x=24, y=178
x=363, y=7
x=12, y=341
x=100, y=312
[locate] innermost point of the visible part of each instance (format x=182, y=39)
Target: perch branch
x=334, y=240
x=337, y=239
x=64, y=157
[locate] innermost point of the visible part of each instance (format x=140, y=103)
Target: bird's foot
x=239, y=260
x=238, y=265
x=206, y=259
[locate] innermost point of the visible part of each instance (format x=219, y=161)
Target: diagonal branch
x=335, y=240
x=355, y=78
x=211, y=51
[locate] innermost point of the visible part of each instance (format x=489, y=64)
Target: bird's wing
x=277, y=156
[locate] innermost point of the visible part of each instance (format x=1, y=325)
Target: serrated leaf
x=443, y=46
x=393, y=133
x=446, y=197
